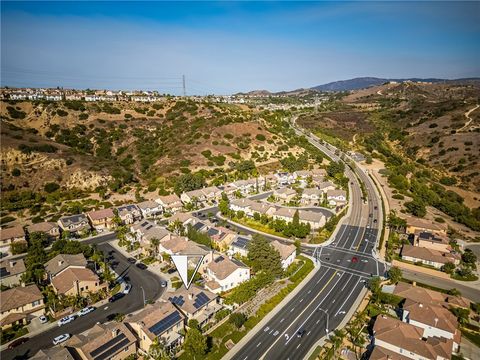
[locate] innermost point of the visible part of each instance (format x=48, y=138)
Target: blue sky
x=225, y=47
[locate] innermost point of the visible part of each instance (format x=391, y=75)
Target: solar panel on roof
x=198, y=226
x=165, y=323
x=201, y=300
x=108, y=344
x=219, y=259
x=149, y=227
x=107, y=354
x=177, y=300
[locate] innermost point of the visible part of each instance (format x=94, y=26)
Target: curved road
x=321, y=305
x=130, y=303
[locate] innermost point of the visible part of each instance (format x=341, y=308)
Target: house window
x=36, y=303
x=81, y=289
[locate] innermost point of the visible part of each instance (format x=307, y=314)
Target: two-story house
x=102, y=219
x=9, y=236
x=129, y=213
x=75, y=224
x=225, y=273
x=11, y=271
x=158, y=320
x=20, y=304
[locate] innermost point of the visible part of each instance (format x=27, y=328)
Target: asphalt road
x=131, y=302
x=325, y=300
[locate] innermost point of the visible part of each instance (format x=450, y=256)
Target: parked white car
x=127, y=289
x=43, y=319
x=86, y=311
x=66, y=320
x=60, y=339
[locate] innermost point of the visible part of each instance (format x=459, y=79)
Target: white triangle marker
x=181, y=263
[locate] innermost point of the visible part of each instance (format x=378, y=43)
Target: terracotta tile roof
x=432, y=315
x=13, y=232
x=152, y=314
x=285, y=191
x=284, y=250
x=62, y=261
x=223, y=266
x=11, y=318
x=91, y=341
x=427, y=254
x=181, y=245
x=19, y=296
x=64, y=281
x=424, y=224
x=55, y=353
x=42, y=227
x=407, y=337
x=101, y=214
x=11, y=267
x=335, y=193
x=169, y=199
x=380, y=353
x=182, y=217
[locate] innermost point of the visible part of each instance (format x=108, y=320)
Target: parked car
x=66, y=320
x=86, y=311
x=60, y=339
x=141, y=266
x=354, y=259
x=127, y=289
x=115, y=297
x=43, y=319
x=18, y=342
x=132, y=260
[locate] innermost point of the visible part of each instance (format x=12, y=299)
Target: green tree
x=264, y=257
x=395, y=222
x=154, y=243
x=157, y=350
x=469, y=258
x=195, y=343
x=416, y=207
x=454, y=292
x=356, y=336
x=375, y=286
x=448, y=268
x=395, y=274
x=298, y=246
x=335, y=168
x=237, y=319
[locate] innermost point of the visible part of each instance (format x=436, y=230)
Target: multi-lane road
x=144, y=283
x=321, y=305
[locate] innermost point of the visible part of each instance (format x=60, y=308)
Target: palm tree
x=336, y=339
x=356, y=335
x=154, y=242
x=157, y=350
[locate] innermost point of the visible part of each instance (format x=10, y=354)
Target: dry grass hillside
x=87, y=145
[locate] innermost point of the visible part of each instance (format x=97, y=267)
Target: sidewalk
x=231, y=353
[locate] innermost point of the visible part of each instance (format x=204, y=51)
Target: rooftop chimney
x=12, y=263
x=190, y=296
x=60, y=262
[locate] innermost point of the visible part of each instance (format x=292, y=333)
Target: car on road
x=116, y=297
x=163, y=283
x=18, y=342
x=86, y=310
x=127, y=289
x=43, y=319
x=132, y=260
x=300, y=333
x=65, y=320
x=141, y=266
x=354, y=259
x=60, y=339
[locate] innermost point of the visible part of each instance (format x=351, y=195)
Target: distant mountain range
x=364, y=82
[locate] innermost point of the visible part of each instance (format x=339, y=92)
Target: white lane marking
x=275, y=333
x=321, y=302
x=282, y=320
x=245, y=358
x=299, y=345
x=309, y=291
x=309, y=332
x=292, y=309
x=341, y=307
x=105, y=308
x=318, y=321
x=260, y=343
x=301, y=299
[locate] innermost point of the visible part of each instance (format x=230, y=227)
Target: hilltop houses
x=128, y=214
x=9, y=236
x=101, y=219
x=75, y=224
